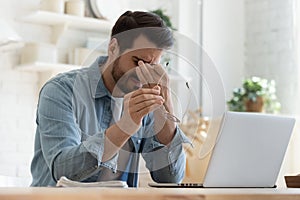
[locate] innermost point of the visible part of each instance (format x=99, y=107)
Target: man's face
x=123, y=71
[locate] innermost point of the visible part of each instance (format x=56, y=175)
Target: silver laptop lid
x=249, y=150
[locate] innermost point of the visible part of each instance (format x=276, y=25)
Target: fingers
x=145, y=73
x=148, y=109
x=158, y=69
x=154, y=91
x=141, y=76
x=145, y=97
x=149, y=74
x=136, y=107
x=141, y=102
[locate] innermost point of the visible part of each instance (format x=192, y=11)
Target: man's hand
x=137, y=104
x=155, y=75
x=151, y=75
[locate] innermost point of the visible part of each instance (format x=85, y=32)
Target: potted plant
x=164, y=17
x=255, y=95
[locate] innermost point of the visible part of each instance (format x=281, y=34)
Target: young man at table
x=93, y=123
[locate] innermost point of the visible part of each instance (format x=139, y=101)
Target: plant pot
x=254, y=106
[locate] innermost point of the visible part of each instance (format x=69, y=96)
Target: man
x=93, y=123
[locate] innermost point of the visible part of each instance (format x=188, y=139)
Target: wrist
x=128, y=126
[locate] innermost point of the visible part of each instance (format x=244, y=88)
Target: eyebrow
x=135, y=57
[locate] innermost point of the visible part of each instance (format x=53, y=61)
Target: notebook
x=248, y=152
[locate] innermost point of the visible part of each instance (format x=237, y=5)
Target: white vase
x=75, y=7
x=57, y=6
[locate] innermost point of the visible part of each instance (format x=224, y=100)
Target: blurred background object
x=9, y=39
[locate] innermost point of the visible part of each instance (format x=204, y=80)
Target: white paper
x=65, y=182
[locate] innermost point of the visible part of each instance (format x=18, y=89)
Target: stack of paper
x=65, y=182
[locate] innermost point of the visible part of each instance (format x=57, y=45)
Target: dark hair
x=141, y=23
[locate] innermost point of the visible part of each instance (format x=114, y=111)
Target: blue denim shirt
x=74, y=110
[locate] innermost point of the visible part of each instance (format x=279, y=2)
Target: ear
x=113, y=48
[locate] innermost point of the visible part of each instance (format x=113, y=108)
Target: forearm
x=166, y=163
x=173, y=173
x=67, y=155
x=84, y=161
x=165, y=128
x=136, y=105
x=75, y=163
x=115, y=138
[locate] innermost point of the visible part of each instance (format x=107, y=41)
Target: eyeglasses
x=170, y=116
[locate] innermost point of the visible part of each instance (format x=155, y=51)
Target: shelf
x=75, y=22
x=45, y=67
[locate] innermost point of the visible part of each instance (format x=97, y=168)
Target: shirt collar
x=97, y=86
x=98, y=89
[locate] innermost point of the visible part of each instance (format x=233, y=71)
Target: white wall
x=223, y=39
x=189, y=25
x=272, y=40
x=18, y=97
x=17, y=110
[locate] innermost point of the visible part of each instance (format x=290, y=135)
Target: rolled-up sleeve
x=166, y=163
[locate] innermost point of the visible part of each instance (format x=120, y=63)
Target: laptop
x=248, y=152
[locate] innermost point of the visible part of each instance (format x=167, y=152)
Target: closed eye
x=137, y=59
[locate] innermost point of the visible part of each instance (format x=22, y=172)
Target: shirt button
x=139, y=141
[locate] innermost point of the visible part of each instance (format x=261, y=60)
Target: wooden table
x=146, y=194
